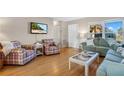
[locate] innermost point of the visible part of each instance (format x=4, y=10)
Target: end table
x=39, y=49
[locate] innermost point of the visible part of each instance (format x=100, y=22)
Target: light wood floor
x=54, y=65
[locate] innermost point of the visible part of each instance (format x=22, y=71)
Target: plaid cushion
x=29, y=52
x=16, y=44
x=48, y=41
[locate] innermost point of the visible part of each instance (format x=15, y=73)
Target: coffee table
x=85, y=58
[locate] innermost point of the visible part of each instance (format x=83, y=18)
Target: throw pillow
x=121, y=51
x=90, y=42
x=7, y=46
x=111, y=41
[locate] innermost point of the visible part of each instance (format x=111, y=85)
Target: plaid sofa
x=19, y=55
x=50, y=47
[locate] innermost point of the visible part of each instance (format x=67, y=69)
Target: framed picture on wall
x=95, y=30
x=39, y=28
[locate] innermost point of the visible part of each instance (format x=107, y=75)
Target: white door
x=73, y=36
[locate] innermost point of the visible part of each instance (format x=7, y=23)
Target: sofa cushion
x=101, y=71
x=103, y=42
x=111, y=41
x=115, y=53
x=18, y=50
x=113, y=56
x=90, y=48
x=115, y=69
x=96, y=41
x=102, y=50
x=29, y=52
x=100, y=42
x=16, y=44
x=108, y=68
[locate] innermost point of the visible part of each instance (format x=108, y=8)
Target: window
x=114, y=29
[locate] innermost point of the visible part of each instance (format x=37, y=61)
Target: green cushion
x=103, y=42
x=113, y=58
x=110, y=68
x=96, y=41
x=90, y=48
x=102, y=50
x=115, y=69
x=100, y=42
x=101, y=71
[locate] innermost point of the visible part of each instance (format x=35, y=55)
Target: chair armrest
x=115, y=69
x=57, y=44
x=21, y=53
x=112, y=52
x=28, y=47
x=83, y=45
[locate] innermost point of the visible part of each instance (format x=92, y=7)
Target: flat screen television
x=39, y=28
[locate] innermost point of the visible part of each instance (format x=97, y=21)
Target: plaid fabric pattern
x=2, y=57
x=16, y=44
x=50, y=47
x=49, y=41
x=18, y=56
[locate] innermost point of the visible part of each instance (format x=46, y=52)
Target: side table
x=39, y=49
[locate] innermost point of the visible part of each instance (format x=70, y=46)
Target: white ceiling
x=67, y=18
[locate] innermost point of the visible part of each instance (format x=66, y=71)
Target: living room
x=89, y=34
x=61, y=46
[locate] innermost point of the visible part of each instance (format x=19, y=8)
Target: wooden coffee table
x=85, y=58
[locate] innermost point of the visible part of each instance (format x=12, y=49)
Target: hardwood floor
x=54, y=65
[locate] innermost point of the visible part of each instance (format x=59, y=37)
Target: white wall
x=61, y=33
x=18, y=28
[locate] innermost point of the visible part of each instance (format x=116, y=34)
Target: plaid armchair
x=50, y=47
x=19, y=55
